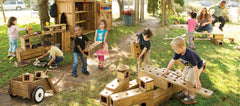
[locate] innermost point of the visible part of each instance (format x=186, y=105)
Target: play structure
x=149, y=89
x=31, y=86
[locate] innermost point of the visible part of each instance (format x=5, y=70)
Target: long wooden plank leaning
x=155, y=74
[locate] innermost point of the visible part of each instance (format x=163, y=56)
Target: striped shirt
x=13, y=31
x=218, y=10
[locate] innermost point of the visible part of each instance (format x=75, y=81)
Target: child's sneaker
x=188, y=100
x=9, y=55
x=181, y=95
x=86, y=72
x=53, y=66
x=74, y=75
x=220, y=29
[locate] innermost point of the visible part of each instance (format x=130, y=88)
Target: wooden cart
x=33, y=90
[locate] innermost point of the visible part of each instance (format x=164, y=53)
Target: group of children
x=205, y=21
x=192, y=61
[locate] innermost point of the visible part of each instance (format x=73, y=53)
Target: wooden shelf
x=85, y=32
x=77, y=22
x=106, y=10
x=78, y=12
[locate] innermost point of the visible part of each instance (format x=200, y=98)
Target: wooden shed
x=85, y=13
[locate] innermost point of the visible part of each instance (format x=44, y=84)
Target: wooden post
x=135, y=12
x=142, y=11
x=163, y=12
x=4, y=17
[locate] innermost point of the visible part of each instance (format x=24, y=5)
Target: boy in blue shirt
x=193, y=68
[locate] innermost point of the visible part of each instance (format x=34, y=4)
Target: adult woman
x=205, y=21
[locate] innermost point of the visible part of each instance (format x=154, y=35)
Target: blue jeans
x=75, y=63
x=207, y=28
x=13, y=45
x=57, y=59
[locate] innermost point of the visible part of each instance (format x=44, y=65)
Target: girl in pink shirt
x=13, y=35
x=191, y=25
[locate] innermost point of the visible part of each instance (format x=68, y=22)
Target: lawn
x=221, y=75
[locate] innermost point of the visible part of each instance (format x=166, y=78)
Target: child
x=79, y=50
x=144, y=40
x=55, y=54
x=13, y=36
x=101, y=35
x=193, y=67
x=218, y=14
x=191, y=24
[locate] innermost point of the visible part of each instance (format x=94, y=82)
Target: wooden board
x=133, y=84
x=118, y=86
x=30, y=54
x=218, y=36
x=156, y=75
x=93, y=48
x=131, y=97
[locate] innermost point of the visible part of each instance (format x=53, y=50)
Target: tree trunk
x=43, y=12
x=142, y=11
x=120, y=4
x=163, y=12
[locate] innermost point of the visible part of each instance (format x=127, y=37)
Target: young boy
x=79, y=50
x=55, y=54
x=144, y=40
x=218, y=14
x=193, y=67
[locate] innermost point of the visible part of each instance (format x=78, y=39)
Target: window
x=20, y=2
x=7, y=3
x=12, y=3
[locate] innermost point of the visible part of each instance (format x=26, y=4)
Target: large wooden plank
x=118, y=86
x=133, y=84
x=131, y=97
x=93, y=48
x=174, y=80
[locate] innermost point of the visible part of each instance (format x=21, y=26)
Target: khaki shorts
x=188, y=74
x=146, y=57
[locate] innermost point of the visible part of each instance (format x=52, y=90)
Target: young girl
x=191, y=24
x=13, y=35
x=101, y=35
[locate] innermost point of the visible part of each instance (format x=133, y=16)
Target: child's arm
x=170, y=65
x=20, y=29
x=106, y=34
x=52, y=60
x=143, y=52
x=43, y=55
x=137, y=39
x=79, y=48
x=197, y=81
x=95, y=38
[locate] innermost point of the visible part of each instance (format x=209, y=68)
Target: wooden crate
x=135, y=49
x=30, y=54
x=104, y=97
x=39, y=75
x=218, y=36
x=25, y=43
x=123, y=72
x=217, y=42
x=93, y=48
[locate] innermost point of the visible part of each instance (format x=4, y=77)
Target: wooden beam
x=142, y=11
x=156, y=75
x=118, y=86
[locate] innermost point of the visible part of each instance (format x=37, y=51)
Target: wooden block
x=218, y=36
x=135, y=49
x=133, y=84
x=104, y=97
x=118, y=86
x=29, y=54
x=131, y=97
x=217, y=42
x=146, y=71
x=93, y=48
x=176, y=81
x=123, y=72
x=146, y=83
x=231, y=40
x=27, y=77
x=39, y=75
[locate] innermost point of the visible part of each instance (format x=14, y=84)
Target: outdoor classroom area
x=119, y=52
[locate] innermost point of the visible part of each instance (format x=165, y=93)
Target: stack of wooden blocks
x=135, y=49
x=150, y=89
x=218, y=39
x=27, y=77
x=29, y=54
x=93, y=48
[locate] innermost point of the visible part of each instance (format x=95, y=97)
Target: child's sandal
x=101, y=66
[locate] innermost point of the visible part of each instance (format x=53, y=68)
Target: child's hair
x=105, y=23
x=193, y=15
x=47, y=43
x=10, y=21
x=178, y=43
x=223, y=1
x=77, y=27
x=148, y=32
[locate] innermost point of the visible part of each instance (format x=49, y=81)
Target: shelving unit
x=105, y=13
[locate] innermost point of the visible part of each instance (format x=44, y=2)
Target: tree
x=43, y=12
x=152, y=6
x=180, y=2
x=120, y=4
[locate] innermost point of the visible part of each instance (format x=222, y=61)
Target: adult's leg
x=223, y=21
x=75, y=63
